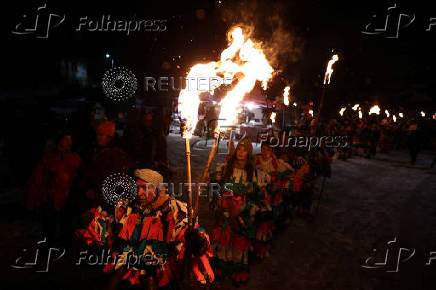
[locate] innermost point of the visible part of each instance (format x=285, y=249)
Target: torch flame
x=273, y=117
x=242, y=57
x=286, y=96
x=329, y=70
x=341, y=111
x=387, y=113
x=360, y=114
x=374, y=110
x=394, y=118
x=401, y=115
x=355, y=107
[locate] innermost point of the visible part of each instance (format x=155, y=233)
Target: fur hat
x=150, y=176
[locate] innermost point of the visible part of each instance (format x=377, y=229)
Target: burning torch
x=327, y=77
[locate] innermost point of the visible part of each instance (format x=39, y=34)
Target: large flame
x=374, y=110
x=286, y=96
x=329, y=70
x=242, y=57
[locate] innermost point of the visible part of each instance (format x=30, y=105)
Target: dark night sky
x=372, y=67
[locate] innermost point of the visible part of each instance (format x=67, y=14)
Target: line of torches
x=375, y=110
x=244, y=63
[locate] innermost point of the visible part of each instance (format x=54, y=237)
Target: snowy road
x=367, y=204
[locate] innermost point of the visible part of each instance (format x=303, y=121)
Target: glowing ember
x=273, y=117
x=355, y=107
x=341, y=111
x=401, y=115
x=329, y=70
x=422, y=114
x=374, y=110
x=286, y=96
x=387, y=113
x=242, y=57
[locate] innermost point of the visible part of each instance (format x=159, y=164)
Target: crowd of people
x=260, y=194
x=66, y=190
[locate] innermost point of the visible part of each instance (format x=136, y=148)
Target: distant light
x=273, y=117
x=311, y=112
x=387, y=113
x=401, y=115
x=360, y=114
x=374, y=110
x=422, y=114
x=355, y=107
x=395, y=118
x=250, y=106
x=341, y=112
x=295, y=104
x=108, y=55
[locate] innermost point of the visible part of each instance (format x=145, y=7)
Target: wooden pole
x=321, y=104
x=188, y=174
x=205, y=175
